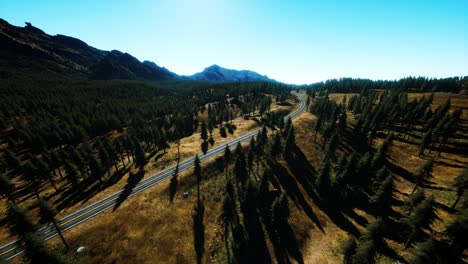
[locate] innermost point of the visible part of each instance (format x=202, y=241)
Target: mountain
x=29, y=51
x=216, y=73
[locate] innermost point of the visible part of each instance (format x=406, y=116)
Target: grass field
x=149, y=229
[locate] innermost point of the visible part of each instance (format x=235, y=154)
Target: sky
x=291, y=41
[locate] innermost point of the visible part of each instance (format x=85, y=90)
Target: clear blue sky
x=291, y=41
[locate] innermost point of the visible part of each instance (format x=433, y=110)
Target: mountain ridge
x=216, y=73
x=30, y=52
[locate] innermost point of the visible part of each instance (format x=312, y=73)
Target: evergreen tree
x=222, y=131
x=424, y=253
x=21, y=225
x=349, y=249
x=422, y=216
x=47, y=214
x=276, y=147
x=323, y=181
x=227, y=158
x=365, y=253
x=317, y=127
x=20, y=222
x=173, y=183
x=413, y=200
x=197, y=172
x=140, y=157
x=460, y=185
x=425, y=142
x=37, y=253
x=97, y=171
x=240, y=169
x=204, y=147
x=280, y=215
x=32, y=175
x=251, y=157
x=199, y=230
x=6, y=187
x=457, y=231
x=381, y=199
x=290, y=142
x=104, y=158
x=72, y=175
x=370, y=241
x=424, y=173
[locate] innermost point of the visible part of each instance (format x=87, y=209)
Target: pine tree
x=424, y=173
x=140, y=156
x=349, y=249
x=197, y=172
x=227, y=158
x=21, y=225
x=422, y=216
x=104, y=158
x=413, y=200
x=370, y=241
x=20, y=222
x=47, y=214
x=173, y=183
x=290, y=141
x=199, y=230
x=44, y=171
x=6, y=188
x=365, y=253
x=204, y=147
x=381, y=199
x=457, y=231
x=32, y=175
x=222, y=131
x=276, y=147
x=280, y=214
x=12, y=160
x=72, y=175
x=37, y=253
x=204, y=132
x=240, y=170
x=251, y=158
x=424, y=253
x=460, y=185
x=425, y=142
x=342, y=122
x=113, y=155
x=323, y=181
x=97, y=171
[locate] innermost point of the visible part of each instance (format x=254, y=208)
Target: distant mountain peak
x=213, y=67
x=216, y=73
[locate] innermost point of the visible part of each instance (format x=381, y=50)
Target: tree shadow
x=132, y=181
x=400, y=171
x=291, y=188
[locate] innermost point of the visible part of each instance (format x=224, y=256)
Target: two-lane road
x=12, y=249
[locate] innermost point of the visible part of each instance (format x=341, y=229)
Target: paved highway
x=12, y=249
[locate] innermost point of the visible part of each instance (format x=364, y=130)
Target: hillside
x=30, y=52
x=315, y=223
x=215, y=73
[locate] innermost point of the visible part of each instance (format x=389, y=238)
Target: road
x=12, y=249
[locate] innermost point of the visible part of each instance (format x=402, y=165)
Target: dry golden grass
x=148, y=229
x=445, y=169
x=116, y=237
x=189, y=146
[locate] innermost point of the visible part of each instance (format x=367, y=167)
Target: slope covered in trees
x=65, y=142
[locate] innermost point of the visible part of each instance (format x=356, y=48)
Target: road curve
x=13, y=249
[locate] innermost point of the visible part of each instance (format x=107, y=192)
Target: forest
x=336, y=173
x=65, y=141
